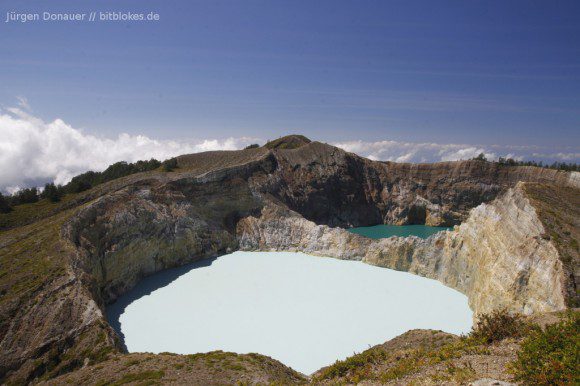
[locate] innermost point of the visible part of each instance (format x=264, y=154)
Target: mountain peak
x=293, y=141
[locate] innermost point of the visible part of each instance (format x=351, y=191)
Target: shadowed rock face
x=135, y=226
x=330, y=186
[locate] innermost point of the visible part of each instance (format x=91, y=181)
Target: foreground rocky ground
x=427, y=357
x=215, y=368
x=417, y=357
x=62, y=263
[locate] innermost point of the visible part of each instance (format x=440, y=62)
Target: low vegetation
x=287, y=142
x=52, y=192
x=169, y=165
x=547, y=356
x=565, y=166
x=138, y=377
x=379, y=364
x=117, y=170
x=79, y=183
x=213, y=368
x=4, y=205
x=496, y=326
x=28, y=213
x=85, y=181
x=24, y=196
x=356, y=367
x=550, y=356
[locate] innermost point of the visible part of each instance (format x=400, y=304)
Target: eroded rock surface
x=498, y=257
x=330, y=186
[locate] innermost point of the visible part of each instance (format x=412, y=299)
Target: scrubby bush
x=25, y=196
x=504, y=161
x=480, y=157
x=169, y=164
x=252, y=146
x=355, y=366
x=550, y=356
x=498, y=325
x=4, y=204
x=82, y=182
x=52, y=192
x=91, y=179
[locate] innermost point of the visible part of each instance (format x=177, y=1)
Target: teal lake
x=384, y=231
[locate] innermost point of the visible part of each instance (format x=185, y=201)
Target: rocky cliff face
x=101, y=250
x=497, y=257
x=330, y=186
x=154, y=225
x=70, y=265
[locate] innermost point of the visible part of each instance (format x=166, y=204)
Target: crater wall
x=499, y=257
x=78, y=260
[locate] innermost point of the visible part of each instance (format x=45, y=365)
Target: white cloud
x=565, y=157
x=435, y=152
x=33, y=152
x=414, y=152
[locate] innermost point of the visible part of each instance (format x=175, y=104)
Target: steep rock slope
x=99, y=251
x=330, y=186
x=498, y=257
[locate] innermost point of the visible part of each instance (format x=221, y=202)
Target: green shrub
x=139, y=377
x=252, y=146
x=550, y=356
x=4, y=205
x=355, y=366
x=52, y=192
x=496, y=326
x=169, y=164
x=25, y=196
x=91, y=179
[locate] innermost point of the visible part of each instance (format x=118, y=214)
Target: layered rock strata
x=330, y=186
x=498, y=257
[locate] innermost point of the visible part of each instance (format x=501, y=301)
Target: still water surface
x=303, y=310
x=384, y=231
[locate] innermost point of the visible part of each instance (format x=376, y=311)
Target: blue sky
x=470, y=72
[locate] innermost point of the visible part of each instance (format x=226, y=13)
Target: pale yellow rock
x=497, y=257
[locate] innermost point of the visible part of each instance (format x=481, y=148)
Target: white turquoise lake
x=303, y=310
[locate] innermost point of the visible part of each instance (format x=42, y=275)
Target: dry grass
x=200, y=163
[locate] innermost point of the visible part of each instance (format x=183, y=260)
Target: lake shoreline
x=278, y=303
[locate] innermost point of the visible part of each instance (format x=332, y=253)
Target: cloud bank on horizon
x=34, y=152
x=417, y=152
